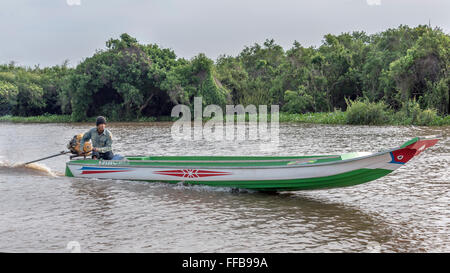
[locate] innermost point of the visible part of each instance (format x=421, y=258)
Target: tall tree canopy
x=127, y=80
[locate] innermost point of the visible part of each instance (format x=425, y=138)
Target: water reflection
x=235, y=219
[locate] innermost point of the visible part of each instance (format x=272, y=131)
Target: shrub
x=366, y=112
x=410, y=111
x=297, y=101
x=427, y=117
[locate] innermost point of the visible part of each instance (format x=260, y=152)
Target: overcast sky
x=46, y=32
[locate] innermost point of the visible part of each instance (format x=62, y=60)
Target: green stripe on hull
x=340, y=180
x=409, y=142
x=212, y=158
x=68, y=172
x=226, y=162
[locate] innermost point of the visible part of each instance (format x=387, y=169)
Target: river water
x=41, y=210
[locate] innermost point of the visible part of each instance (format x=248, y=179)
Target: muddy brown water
x=41, y=210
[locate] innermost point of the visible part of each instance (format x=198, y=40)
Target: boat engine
x=74, y=146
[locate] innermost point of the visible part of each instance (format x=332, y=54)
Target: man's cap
x=101, y=120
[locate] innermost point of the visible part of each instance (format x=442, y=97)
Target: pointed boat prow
x=413, y=148
x=421, y=143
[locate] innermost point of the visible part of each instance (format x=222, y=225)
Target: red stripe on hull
x=191, y=173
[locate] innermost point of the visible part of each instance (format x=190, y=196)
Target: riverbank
x=68, y=119
x=342, y=118
x=336, y=117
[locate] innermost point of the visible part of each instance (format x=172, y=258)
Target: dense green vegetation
x=398, y=76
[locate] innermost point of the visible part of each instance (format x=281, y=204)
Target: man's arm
x=108, y=144
x=86, y=137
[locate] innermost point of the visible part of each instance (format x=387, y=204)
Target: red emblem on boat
x=402, y=156
x=191, y=173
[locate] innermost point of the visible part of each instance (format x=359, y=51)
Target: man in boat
x=101, y=140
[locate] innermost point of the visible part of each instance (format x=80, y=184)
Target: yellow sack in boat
x=74, y=145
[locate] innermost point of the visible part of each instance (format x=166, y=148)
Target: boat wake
x=205, y=188
x=33, y=168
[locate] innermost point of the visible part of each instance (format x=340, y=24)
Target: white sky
x=47, y=32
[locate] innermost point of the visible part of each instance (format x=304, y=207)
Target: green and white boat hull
x=252, y=172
